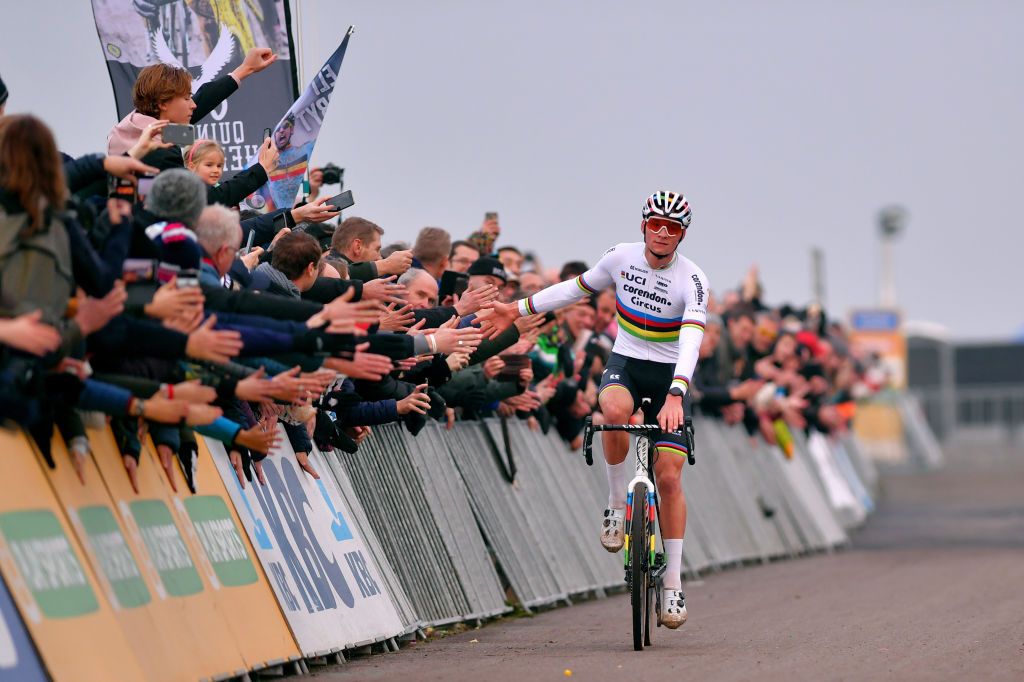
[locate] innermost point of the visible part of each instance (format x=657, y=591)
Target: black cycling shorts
x=645, y=379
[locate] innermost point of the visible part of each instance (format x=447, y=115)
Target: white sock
x=674, y=564
x=618, y=478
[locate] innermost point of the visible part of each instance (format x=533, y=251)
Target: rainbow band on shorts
x=674, y=448
x=613, y=385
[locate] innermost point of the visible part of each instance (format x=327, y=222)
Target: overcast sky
x=787, y=124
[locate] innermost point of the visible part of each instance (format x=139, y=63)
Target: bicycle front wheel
x=638, y=539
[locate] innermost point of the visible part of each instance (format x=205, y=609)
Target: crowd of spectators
x=137, y=301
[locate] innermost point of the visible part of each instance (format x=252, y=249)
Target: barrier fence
x=453, y=525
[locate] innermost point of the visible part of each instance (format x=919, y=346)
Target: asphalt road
x=931, y=589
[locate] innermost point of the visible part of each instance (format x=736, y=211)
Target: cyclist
x=661, y=308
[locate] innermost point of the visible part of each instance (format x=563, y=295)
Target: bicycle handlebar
x=589, y=428
x=626, y=427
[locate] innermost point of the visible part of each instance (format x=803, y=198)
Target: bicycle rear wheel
x=638, y=539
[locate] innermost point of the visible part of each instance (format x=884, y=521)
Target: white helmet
x=672, y=205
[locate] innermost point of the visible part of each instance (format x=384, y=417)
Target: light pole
x=892, y=220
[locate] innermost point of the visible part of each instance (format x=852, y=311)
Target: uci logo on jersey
x=630, y=277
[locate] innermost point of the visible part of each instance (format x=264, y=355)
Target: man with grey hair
x=220, y=235
x=421, y=288
x=177, y=196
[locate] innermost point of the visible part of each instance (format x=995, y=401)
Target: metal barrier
x=405, y=533
x=433, y=556
x=923, y=446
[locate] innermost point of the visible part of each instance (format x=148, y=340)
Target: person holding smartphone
x=163, y=92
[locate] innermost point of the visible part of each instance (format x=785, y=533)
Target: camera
x=333, y=175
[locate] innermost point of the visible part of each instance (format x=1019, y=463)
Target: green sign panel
x=166, y=548
x=221, y=540
x=48, y=563
x=115, y=559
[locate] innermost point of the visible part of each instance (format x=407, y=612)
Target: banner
x=209, y=38
x=18, y=659
x=50, y=580
x=325, y=579
x=156, y=633
x=177, y=574
x=296, y=133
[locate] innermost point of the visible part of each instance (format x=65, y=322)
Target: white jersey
x=661, y=312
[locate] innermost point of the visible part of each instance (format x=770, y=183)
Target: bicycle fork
x=642, y=448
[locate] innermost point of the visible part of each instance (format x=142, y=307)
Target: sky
x=788, y=125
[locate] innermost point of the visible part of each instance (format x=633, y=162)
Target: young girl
x=205, y=158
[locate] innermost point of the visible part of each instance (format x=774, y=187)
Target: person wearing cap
x=487, y=270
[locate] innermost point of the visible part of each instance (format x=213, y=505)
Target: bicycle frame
x=643, y=467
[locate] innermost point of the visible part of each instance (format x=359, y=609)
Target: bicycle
x=644, y=569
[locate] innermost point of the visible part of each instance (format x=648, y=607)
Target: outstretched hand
x=496, y=318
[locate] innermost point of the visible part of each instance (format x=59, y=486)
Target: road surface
x=931, y=589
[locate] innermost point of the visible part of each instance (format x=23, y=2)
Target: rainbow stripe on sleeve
x=644, y=326
x=679, y=381
x=692, y=324
x=584, y=287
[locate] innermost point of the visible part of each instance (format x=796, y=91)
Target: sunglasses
x=656, y=225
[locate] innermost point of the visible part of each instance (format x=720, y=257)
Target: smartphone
x=188, y=279
x=119, y=188
x=139, y=270
x=248, y=243
x=145, y=184
x=449, y=280
x=266, y=133
x=181, y=135
x=491, y=215
x=280, y=222
x=342, y=201
x=513, y=365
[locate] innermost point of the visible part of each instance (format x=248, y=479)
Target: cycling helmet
x=672, y=205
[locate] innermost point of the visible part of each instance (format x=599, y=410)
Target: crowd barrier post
x=49, y=578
